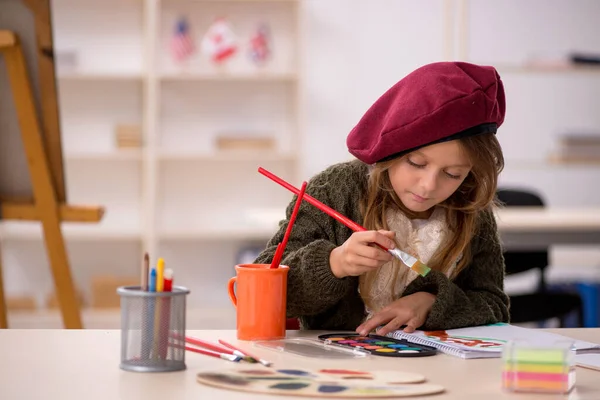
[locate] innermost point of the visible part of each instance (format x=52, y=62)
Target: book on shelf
x=577, y=148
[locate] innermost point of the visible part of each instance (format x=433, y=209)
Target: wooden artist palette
x=379, y=345
x=330, y=383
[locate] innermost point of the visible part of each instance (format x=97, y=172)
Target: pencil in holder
x=538, y=367
x=152, y=329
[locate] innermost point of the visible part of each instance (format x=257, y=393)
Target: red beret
x=437, y=102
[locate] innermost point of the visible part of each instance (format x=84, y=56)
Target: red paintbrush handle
x=293, y=217
x=208, y=345
x=202, y=351
x=276, y=256
x=327, y=210
x=281, y=247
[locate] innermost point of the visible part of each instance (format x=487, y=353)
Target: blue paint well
x=290, y=386
x=331, y=388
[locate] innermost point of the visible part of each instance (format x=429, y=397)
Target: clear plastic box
x=538, y=367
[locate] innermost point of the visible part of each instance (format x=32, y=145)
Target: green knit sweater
x=322, y=301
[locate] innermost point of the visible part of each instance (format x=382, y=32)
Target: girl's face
x=428, y=176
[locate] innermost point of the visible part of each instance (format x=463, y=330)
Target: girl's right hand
x=359, y=254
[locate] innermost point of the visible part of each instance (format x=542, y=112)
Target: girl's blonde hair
x=476, y=193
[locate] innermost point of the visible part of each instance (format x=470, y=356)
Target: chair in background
x=542, y=304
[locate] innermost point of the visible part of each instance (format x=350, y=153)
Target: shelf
x=20, y=230
x=99, y=76
x=218, y=234
x=573, y=161
x=118, y=155
x=230, y=77
x=562, y=69
x=233, y=156
x=550, y=163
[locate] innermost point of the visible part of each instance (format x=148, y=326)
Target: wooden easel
x=44, y=160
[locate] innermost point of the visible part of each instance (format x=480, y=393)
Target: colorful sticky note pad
x=530, y=368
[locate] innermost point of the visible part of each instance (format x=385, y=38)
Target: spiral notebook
x=486, y=341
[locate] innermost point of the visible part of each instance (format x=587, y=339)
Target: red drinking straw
x=281, y=246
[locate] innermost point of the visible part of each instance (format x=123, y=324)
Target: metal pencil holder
x=152, y=329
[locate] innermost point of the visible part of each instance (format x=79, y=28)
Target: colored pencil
x=281, y=248
x=160, y=267
x=410, y=261
x=146, y=317
x=145, y=272
x=165, y=313
x=149, y=323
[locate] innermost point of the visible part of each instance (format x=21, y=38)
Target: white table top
x=516, y=219
x=84, y=364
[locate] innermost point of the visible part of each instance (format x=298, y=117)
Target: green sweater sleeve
x=312, y=287
x=476, y=296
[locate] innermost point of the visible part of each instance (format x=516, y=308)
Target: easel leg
x=3, y=318
x=43, y=188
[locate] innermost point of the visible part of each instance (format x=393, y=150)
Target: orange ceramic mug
x=260, y=301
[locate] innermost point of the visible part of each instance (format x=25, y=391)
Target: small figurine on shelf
x=219, y=43
x=182, y=44
x=260, y=45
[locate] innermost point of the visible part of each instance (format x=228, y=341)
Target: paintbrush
x=281, y=247
x=410, y=261
x=220, y=349
x=211, y=353
x=245, y=354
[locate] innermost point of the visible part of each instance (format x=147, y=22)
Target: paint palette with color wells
x=321, y=383
x=379, y=345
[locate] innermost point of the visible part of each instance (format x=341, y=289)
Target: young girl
x=424, y=182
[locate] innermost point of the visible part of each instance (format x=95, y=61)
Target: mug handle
x=231, y=291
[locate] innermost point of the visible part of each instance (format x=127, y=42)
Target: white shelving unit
x=177, y=197
x=545, y=99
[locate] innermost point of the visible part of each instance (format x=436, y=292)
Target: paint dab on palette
x=295, y=372
x=257, y=372
x=343, y=372
x=324, y=383
x=290, y=386
x=332, y=388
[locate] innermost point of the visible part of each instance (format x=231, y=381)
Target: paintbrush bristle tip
x=421, y=268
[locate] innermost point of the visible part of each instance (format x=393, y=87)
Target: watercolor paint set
x=321, y=383
x=379, y=345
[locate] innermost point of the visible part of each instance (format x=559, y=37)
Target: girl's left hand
x=410, y=310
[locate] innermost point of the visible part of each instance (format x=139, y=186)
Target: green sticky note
x=539, y=356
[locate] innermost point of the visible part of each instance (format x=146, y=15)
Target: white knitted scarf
x=418, y=237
